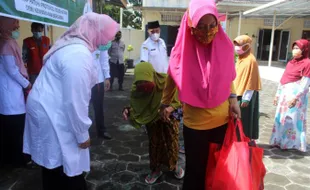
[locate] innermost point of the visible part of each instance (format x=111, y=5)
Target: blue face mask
x=37, y=35
x=15, y=34
x=105, y=47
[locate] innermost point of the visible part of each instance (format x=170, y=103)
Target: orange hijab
x=247, y=69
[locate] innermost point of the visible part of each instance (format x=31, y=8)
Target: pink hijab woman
x=202, y=69
x=13, y=81
x=56, y=132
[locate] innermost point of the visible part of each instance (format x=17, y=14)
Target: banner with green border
x=61, y=13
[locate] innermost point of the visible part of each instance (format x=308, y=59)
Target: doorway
x=280, y=45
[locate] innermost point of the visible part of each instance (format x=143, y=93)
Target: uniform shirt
x=156, y=54
x=101, y=61
x=116, y=52
x=12, y=82
x=57, y=118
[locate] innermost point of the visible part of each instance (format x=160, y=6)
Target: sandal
x=179, y=172
x=152, y=177
x=182, y=149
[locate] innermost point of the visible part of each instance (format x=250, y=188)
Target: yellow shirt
x=199, y=118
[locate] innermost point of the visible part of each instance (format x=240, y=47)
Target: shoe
x=152, y=177
x=179, y=172
x=106, y=136
x=120, y=88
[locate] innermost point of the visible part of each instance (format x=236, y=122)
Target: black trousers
x=196, y=144
x=54, y=179
x=117, y=71
x=97, y=98
x=11, y=141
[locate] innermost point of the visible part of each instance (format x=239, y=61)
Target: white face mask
x=155, y=36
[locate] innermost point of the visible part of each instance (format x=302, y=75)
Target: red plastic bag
x=237, y=165
x=258, y=169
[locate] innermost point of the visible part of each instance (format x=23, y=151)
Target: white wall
x=166, y=3
x=134, y=38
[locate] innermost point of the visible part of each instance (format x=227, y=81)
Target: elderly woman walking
x=202, y=69
x=145, y=102
x=247, y=84
x=56, y=132
x=289, y=130
x=13, y=79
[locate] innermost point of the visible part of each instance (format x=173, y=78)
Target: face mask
x=239, y=49
x=297, y=53
x=37, y=35
x=15, y=34
x=155, y=36
x=147, y=87
x=118, y=37
x=105, y=47
x=205, y=36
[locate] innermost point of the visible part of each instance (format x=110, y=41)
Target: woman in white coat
x=56, y=132
x=13, y=79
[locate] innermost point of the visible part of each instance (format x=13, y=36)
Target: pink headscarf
x=202, y=74
x=91, y=30
x=9, y=46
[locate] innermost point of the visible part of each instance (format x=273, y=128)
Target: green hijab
x=145, y=107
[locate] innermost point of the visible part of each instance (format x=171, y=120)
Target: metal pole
x=121, y=18
x=272, y=38
x=239, y=25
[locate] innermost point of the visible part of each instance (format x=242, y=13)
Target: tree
x=131, y=18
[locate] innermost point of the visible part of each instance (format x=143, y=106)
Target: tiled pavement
x=122, y=163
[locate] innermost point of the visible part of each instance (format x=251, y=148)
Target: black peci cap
x=152, y=25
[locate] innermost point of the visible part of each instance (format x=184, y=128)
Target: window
x=171, y=17
x=307, y=24
x=269, y=22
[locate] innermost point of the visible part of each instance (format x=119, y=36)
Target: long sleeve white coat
x=57, y=111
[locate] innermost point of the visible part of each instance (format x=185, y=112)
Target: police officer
x=154, y=49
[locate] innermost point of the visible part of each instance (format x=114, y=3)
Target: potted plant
x=129, y=61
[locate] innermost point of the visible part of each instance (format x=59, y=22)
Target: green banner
x=53, y=12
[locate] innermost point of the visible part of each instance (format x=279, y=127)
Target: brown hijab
x=247, y=69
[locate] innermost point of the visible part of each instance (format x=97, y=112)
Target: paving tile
x=297, y=187
x=129, y=158
x=124, y=177
x=165, y=186
x=276, y=179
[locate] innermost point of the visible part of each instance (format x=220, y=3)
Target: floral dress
x=289, y=130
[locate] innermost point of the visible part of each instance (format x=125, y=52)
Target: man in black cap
x=154, y=49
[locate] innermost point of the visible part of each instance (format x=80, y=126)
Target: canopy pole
x=272, y=38
x=239, y=25
x=121, y=19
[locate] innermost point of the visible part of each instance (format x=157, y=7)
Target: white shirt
x=156, y=54
x=101, y=60
x=12, y=82
x=57, y=111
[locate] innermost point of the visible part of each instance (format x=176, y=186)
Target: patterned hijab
x=91, y=30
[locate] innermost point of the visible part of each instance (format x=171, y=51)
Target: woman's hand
x=166, y=113
x=292, y=103
x=107, y=85
x=245, y=104
x=29, y=86
x=126, y=114
x=234, y=108
x=275, y=101
x=85, y=144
